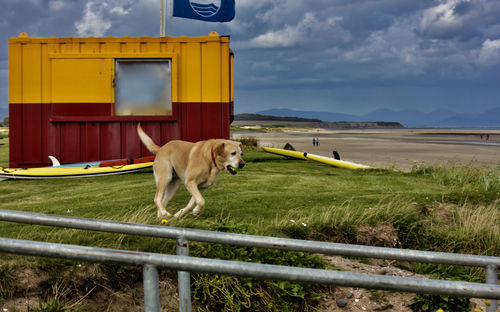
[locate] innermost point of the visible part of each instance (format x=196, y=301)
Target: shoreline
x=399, y=149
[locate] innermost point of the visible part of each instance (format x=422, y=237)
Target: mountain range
x=441, y=118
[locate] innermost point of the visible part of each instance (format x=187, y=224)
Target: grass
x=453, y=209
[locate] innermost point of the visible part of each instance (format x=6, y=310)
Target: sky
x=346, y=56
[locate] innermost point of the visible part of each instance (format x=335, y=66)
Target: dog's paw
x=164, y=221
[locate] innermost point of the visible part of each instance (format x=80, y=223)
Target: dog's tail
x=148, y=142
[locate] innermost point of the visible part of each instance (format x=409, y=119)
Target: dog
x=197, y=165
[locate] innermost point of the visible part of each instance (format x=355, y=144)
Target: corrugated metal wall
x=61, y=96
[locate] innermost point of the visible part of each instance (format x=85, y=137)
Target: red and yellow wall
x=62, y=96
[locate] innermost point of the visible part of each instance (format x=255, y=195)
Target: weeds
x=249, y=142
x=7, y=281
x=224, y=293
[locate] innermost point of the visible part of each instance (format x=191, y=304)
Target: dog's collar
x=213, y=157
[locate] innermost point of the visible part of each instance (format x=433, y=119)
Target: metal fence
x=184, y=264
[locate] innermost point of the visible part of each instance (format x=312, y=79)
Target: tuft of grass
x=249, y=142
x=469, y=181
x=7, y=280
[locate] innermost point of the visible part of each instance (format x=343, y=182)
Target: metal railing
x=185, y=264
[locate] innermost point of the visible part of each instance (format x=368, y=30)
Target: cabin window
x=143, y=87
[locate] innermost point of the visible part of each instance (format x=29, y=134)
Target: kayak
x=319, y=158
x=77, y=170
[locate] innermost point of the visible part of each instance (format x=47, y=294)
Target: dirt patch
x=103, y=295
x=382, y=235
x=86, y=287
x=349, y=299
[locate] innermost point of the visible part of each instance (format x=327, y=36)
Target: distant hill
x=280, y=121
x=408, y=118
x=324, y=116
x=274, y=118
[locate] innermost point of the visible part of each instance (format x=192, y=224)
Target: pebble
x=341, y=303
x=350, y=295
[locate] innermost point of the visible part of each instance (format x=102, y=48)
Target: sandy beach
x=400, y=149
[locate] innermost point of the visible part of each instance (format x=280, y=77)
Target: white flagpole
x=162, y=19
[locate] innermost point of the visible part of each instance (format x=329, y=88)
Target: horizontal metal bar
x=250, y=240
x=255, y=270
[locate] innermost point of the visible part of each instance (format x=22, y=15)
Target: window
x=143, y=87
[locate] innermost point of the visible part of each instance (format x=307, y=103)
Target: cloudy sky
x=348, y=56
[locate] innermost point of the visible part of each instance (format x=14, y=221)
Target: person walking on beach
x=314, y=141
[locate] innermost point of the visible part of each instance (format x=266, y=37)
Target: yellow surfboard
x=284, y=152
x=322, y=159
x=69, y=172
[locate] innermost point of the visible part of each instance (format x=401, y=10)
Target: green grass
x=453, y=209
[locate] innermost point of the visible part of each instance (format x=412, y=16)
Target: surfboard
x=284, y=152
x=319, y=158
x=78, y=170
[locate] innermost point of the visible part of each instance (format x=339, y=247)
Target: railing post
x=151, y=288
x=492, y=278
x=183, y=278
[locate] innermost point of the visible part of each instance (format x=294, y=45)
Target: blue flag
x=205, y=10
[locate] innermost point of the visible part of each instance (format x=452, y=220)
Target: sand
x=399, y=149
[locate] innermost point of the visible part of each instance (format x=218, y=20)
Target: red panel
x=70, y=143
x=81, y=109
x=45, y=130
x=93, y=112
x=131, y=145
x=110, y=140
x=15, y=134
x=170, y=131
x=153, y=130
x=226, y=120
x=53, y=135
x=90, y=142
x=212, y=121
x=32, y=133
x=191, y=121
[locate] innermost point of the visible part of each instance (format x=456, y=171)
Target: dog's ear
x=219, y=149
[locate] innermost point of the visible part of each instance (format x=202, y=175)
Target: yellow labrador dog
x=198, y=165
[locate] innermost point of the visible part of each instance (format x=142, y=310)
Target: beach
x=399, y=149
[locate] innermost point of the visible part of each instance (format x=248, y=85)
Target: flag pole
x=162, y=19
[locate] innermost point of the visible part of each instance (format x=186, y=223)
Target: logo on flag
x=205, y=10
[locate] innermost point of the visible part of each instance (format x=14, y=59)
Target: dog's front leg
x=188, y=207
x=192, y=187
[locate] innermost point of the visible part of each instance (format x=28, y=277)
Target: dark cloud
x=339, y=55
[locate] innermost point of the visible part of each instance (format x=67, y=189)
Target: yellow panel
x=46, y=95
x=81, y=80
x=225, y=73
x=31, y=71
x=15, y=74
x=69, y=70
x=190, y=73
x=211, y=72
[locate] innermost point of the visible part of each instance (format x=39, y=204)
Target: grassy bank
x=453, y=209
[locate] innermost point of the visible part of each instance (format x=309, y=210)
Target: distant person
x=336, y=155
x=314, y=141
x=317, y=141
